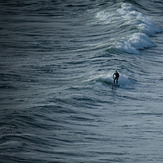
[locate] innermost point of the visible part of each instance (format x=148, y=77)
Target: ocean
x=58, y=103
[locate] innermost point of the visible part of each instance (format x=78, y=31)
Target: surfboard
x=116, y=85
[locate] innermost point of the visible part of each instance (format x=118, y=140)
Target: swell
x=70, y=106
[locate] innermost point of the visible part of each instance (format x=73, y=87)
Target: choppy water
x=57, y=102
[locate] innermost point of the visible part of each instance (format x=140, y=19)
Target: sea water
x=57, y=102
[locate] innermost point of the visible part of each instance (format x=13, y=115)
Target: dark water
x=57, y=102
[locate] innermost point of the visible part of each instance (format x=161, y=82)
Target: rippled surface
x=57, y=101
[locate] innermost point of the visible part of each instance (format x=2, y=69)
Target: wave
x=125, y=81
x=144, y=23
x=133, y=29
x=135, y=42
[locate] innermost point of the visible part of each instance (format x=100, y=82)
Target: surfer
x=116, y=77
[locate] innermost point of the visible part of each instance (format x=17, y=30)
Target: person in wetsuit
x=116, y=77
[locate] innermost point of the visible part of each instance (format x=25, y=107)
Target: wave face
x=57, y=98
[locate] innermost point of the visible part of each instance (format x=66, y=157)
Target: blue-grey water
x=57, y=101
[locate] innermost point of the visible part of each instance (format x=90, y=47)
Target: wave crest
x=133, y=28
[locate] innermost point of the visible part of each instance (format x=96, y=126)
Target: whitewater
x=58, y=103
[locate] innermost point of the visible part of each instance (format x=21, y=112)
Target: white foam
x=144, y=23
x=135, y=42
x=142, y=27
x=149, y=28
x=146, y=26
x=128, y=15
x=107, y=16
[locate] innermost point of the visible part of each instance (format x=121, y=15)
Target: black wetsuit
x=116, y=77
